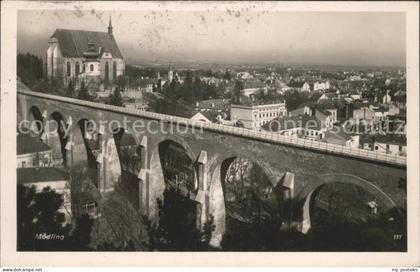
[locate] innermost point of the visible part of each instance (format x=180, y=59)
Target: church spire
x=110, y=26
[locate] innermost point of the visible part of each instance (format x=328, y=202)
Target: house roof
x=210, y=115
x=329, y=96
x=27, y=144
x=253, y=84
x=391, y=139
x=74, y=42
x=218, y=103
x=296, y=84
x=41, y=174
x=314, y=109
x=338, y=137
x=200, y=116
x=326, y=106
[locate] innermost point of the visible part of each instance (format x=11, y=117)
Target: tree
x=70, y=89
x=121, y=83
x=174, y=233
x=227, y=76
x=83, y=93
x=29, y=69
x=295, y=99
x=209, y=73
x=38, y=213
x=116, y=98
x=120, y=226
x=80, y=238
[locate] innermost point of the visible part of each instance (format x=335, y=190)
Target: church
x=84, y=55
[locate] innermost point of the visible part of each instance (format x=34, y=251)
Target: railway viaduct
x=296, y=168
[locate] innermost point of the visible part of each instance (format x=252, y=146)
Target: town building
x=32, y=152
x=321, y=86
x=364, y=113
x=244, y=76
x=254, y=87
x=326, y=117
x=254, y=115
x=391, y=144
x=339, y=137
x=135, y=104
x=386, y=99
x=212, y=80
x=211, y=110
x=332, y=109
x=301, y=86
x=84, y=55
x=328, y=97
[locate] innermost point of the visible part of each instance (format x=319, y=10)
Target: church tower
x=110, y=26
x=170, y=73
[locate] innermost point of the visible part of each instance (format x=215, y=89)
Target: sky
x=231, y=36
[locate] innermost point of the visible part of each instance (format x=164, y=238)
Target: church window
x=68, y=69
x=114, y=70
x=91, y=68
x=77, y=68
x=106, y=71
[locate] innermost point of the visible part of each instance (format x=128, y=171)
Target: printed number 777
x=397, y=236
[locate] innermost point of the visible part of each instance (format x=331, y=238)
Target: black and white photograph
x=212, y=127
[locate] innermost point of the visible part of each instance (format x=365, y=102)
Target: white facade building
x=255, y=116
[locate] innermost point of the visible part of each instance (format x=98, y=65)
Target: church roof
x=74, y=42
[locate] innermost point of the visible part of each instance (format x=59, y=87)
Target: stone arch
x=186, y=156
x=310, y=192
x=86, y=149
x=36, y=119
x=154, y=187
x=265, y=188
x=129, y=158
x=217, y=204
x=180, y=189
x=58, y=137
x=179, y=141
x=126, y=144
